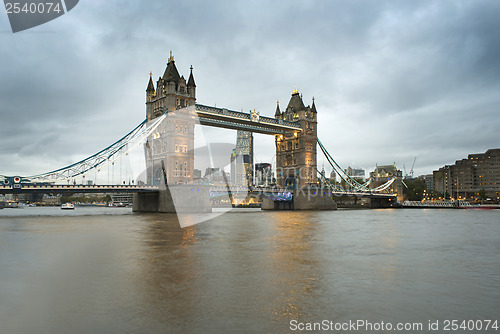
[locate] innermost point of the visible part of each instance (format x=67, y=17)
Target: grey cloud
x=388, y=77
x=39, y=145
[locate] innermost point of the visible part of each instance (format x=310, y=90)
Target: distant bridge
x=72, y=189
x=278, y=194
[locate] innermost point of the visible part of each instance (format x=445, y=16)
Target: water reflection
x=168, y=268
x=230, y=273
x=295, y=267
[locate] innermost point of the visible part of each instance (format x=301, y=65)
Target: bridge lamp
x=295, y=134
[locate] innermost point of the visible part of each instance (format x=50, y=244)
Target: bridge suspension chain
x=343, y=175
x=347, y=178
x=323, y=179
x=328, y=183
x=104, y=157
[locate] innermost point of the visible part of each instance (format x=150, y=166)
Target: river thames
x=108, y=270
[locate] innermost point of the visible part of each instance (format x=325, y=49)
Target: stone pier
x=303, y=199
x=175, y=199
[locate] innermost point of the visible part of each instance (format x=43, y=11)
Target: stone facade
x=174, y=199
x=382, y=174
x=171, y=93
x=296, y=151
x=172, y=144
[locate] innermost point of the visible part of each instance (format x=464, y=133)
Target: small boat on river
x=68, y=206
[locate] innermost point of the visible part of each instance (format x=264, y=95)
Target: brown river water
x=108, y=270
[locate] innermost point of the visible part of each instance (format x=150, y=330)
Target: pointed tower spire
x=277, y=114
x=313, y=107
x=191, y=82
x=296, y=102
x=171, y=73
x=151, y=87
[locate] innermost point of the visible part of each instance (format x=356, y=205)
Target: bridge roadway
x=71, y=189
x=230, y=119
x=273, y=191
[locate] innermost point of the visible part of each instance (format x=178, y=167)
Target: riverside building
x=467, y=178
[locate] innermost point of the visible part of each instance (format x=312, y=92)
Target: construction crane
x=413, y=165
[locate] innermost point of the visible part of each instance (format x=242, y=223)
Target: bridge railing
x=222, y=111
x=430, y=204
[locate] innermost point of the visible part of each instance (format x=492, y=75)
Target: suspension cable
x=347, y=178
x=104, y=157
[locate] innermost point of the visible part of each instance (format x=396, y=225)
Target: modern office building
x=263, y=174
x=428, y=180
x=242, y=160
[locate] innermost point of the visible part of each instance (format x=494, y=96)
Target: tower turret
x=277, y=114
x=150, y=93
x=191, y=87
x=150, y=90
x=191, y=82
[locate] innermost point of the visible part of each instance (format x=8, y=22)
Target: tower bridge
x=167, y=136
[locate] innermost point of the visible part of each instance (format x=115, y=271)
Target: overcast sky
x=392, y=80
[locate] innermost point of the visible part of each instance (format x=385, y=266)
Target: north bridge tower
x=173, y=143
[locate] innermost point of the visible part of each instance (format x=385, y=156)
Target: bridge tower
x=296, y=151
x=173, y=142
x=172, y=92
